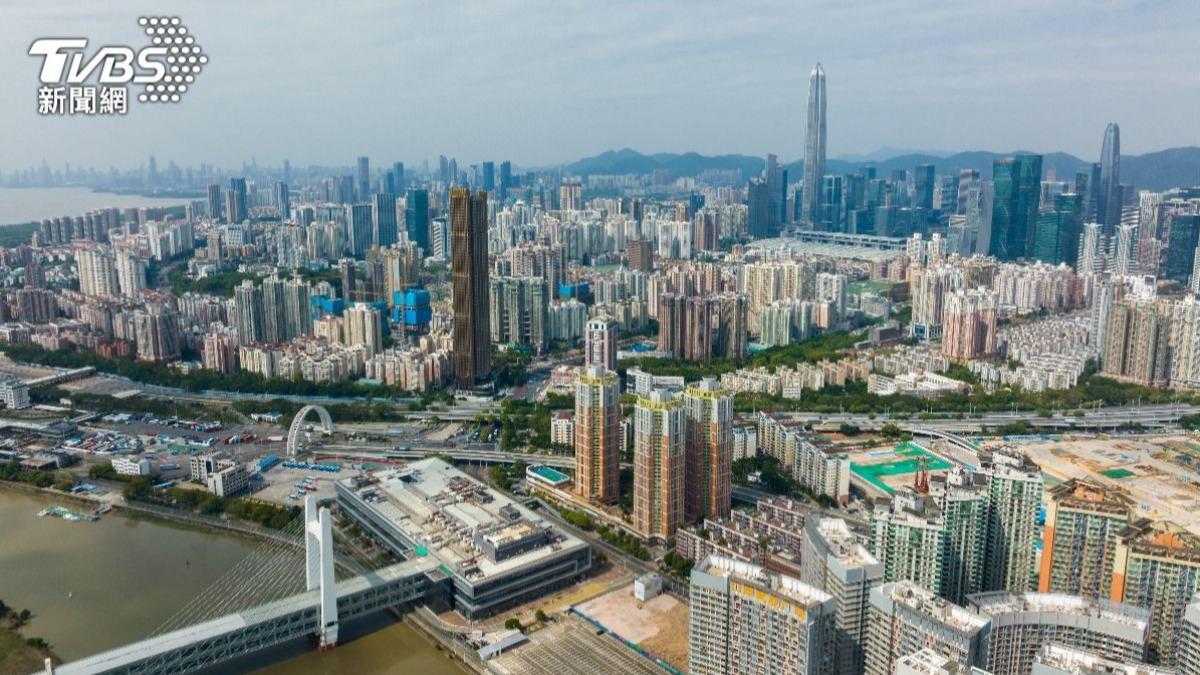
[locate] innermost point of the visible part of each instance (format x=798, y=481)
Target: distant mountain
x=887, y=152
x=1174, y=167
x=687, y=164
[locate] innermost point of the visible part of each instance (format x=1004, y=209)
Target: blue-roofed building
x=323, y=305
x=412, y=309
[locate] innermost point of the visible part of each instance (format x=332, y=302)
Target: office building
x=1108, y=199
x=362, y=178
x=1057, y=237
x=383, y=219
x=905, y=618
x=1022, y=623
x=658, y=464
x=834, y=560
x=1157, y=566
x=283, y=200
x=416, y=219
x=214, y=202
x=597, y=434
x=236, y=204
x=814, y=150
x=1079, y=542
x=746, y=620
x=472, y=348
x=1016, y=186
x=708, y=412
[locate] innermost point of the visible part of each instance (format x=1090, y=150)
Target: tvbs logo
x=74, y=82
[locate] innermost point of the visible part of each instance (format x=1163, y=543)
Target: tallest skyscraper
x=1108, y=199
x=814, y=150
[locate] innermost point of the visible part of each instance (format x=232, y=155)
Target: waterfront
x=23, y=205
x=96, y=585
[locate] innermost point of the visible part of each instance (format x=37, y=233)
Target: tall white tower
x=318, y=550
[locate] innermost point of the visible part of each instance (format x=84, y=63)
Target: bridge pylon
x=318, y=557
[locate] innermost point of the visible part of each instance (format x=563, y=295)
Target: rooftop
x=1079, y=662
x=1086, y=495
x=456, y=518
x=754, y=575
x=925, y=603
x=1005, y=602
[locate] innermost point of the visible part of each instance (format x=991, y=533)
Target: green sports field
x=908, y=453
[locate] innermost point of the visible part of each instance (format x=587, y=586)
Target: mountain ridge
x=1159, y=170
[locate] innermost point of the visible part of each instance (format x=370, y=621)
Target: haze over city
x=546, y=83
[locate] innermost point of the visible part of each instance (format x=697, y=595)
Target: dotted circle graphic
x=183, y=60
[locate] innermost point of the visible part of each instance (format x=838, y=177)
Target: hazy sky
x=547, y=82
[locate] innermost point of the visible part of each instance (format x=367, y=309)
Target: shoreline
x=412, y=619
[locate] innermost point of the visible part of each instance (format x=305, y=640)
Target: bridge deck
x=233, y=635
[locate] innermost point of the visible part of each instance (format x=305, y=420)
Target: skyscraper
x=489, y=176
x=506, y=180
x=283, y=200
x=708, y=410
x=658, y=465
x=359, y=227
x=214, y=201
x=399, y=181
x=383, y=219
x=362, y=178
x=758, y=207
x=468, y=231
x=773, y=174
x=746, y=620
x=814, y=149
x=1108, y=202
x=236, y=207
x=416, y=218
x=1057, y=237
x=1016, y=185
x=597, y=434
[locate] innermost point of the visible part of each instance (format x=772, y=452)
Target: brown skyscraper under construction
x=468, y=232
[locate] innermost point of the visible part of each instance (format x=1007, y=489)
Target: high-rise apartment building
x=1015, y=487
x=1021, y=623
x=962, y=497
x=1157, y=566
x=600, y=343
x=97, y=272
x=1079, y=542
x=1137, y=342
x=834, y=560
x=658, y=464
x=969, y=324
x=708, y=410
x=908, y=535
x=468, y=227
x=1016, y=185
x=518, y=311
x=597, y=434
x=905, y=618
x=157, y=334
x=363, y=326
x=747, y=621
x=814, y=150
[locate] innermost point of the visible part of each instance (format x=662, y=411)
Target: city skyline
x=617, y=83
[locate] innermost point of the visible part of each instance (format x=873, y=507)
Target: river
x=96, y=585
x=23, y=205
